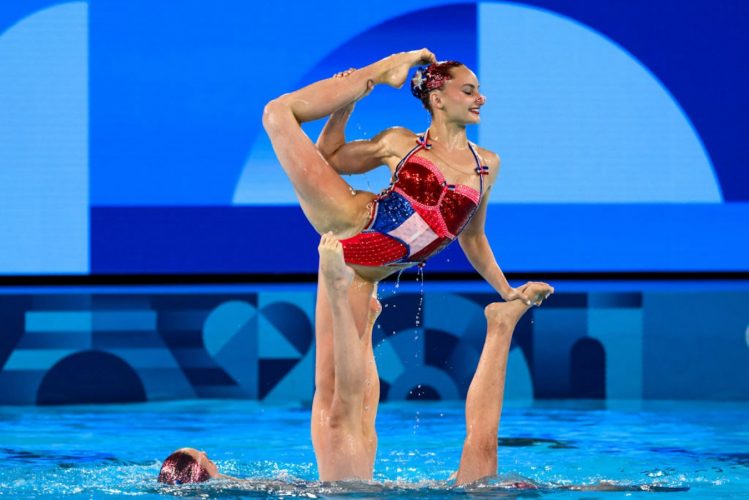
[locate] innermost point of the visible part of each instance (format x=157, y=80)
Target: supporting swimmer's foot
x=508, y=313
x=336, y=274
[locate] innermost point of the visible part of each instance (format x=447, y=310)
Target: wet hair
x=182, y=468
x=432, y=77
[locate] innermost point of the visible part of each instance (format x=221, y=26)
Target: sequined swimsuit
x=418, y=215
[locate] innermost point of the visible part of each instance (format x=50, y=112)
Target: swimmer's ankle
x=503, y=316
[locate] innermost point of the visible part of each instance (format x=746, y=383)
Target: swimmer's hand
x=395, y=68
x=532, y=293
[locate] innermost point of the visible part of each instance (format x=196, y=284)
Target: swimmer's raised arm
x=475, y=244
x=360, y=156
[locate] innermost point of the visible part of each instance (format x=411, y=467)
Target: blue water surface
x=699, y=449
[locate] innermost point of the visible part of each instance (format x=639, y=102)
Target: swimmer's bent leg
x=326, y=199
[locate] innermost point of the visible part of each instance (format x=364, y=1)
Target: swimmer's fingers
x=427, y=57
x=342, y=74
x=517, y=294
x=420, y=57
x=537, y=291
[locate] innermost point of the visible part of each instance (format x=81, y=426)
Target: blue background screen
x=131, y=140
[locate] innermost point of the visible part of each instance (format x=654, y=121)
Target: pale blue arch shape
x=263, y=181
x=44, y=209
x=578, y=119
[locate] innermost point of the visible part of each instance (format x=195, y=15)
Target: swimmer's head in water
x=187, y=465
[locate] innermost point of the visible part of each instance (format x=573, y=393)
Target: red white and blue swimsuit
x=418, y=215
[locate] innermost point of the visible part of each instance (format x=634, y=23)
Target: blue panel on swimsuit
x=392, y=211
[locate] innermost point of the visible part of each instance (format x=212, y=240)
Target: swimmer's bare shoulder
x=491, y=160
x=398, y=141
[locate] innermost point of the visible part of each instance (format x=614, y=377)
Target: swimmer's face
x=460, y=99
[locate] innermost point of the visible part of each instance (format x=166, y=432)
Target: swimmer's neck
x=452, y=136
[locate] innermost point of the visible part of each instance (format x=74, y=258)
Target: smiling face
x=459, y=99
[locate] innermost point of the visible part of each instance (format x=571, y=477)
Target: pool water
x=700, y=449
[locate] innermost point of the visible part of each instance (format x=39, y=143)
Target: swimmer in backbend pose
x=439, y=190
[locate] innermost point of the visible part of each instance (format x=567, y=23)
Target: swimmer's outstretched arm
x=486, y=392
x=479, y=252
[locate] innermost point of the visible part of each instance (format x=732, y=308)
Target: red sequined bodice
x=417, y=216
x=447, y=206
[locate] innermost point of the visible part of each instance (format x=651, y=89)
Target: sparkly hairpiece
x=425, y=80
x=417, y=83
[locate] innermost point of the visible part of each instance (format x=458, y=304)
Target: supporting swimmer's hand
x=532, y=293
x=397, y=66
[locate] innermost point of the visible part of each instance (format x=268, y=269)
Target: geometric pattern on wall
x=71, y=348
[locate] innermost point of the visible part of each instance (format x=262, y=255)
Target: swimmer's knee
x=342, y=412
x=276, y=113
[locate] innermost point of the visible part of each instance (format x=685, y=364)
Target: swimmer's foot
x=336, y=274
x=396, y=67
x=507, y=314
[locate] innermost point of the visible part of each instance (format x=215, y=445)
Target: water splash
x=419, y=308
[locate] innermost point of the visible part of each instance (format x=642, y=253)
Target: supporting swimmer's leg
x=364, y=313
x=486, y=392
x=344, y=446
x=326, y=199
x=348, y=352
